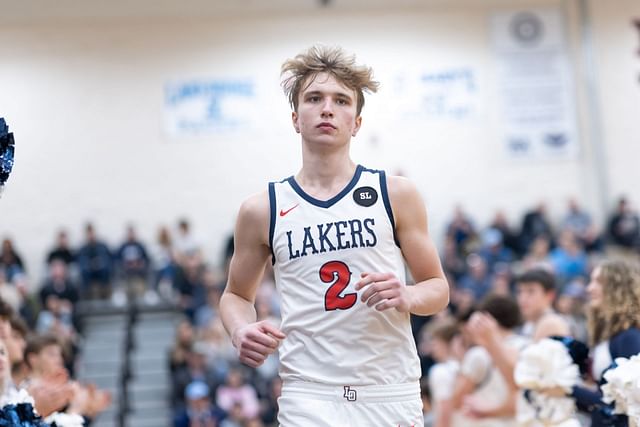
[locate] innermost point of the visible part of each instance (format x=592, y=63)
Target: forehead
x=531, y=286
x=326, y=83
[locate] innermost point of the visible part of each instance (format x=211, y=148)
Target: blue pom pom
x=7, y=152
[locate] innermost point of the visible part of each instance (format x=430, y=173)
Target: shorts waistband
x=353, y=393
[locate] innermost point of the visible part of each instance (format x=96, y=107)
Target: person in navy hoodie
x=614, y=331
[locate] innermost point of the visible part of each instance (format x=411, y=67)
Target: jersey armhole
x=272, y=219
x=387, y=205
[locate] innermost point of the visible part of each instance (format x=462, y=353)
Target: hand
x=483, y=328
x=98, y=400
x=50, y=397
x=472, y=408
x=384, y=291
x=256, y=341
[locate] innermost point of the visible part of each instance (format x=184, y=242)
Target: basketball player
x=337, y=234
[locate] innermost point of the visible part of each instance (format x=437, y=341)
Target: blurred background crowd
x=482, y=262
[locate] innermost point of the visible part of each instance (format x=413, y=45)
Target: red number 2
x=338, y=274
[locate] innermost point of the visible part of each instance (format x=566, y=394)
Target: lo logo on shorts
x=349, y=394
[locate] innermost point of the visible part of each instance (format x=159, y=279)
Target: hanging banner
x=208, y=107
x=534, y=84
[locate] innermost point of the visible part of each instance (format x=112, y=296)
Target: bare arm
x=550, y=325
x=431, y=291
x=253, y=340
x=485, y=331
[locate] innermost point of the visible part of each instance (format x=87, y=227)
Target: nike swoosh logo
x=283, y=213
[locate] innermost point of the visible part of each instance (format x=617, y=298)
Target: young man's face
x=326, y=111
x=533, y=300
x=48, y=361
x=15, y=346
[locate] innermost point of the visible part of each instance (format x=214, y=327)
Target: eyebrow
x=338, y=94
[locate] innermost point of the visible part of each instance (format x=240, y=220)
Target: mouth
x=326, y=125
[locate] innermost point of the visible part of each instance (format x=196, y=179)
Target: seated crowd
x=509, y=287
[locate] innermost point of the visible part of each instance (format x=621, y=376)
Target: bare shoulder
x=401, y=188
x=256, y=206
x=551, y=324
x=254, y=215
x=404, y=197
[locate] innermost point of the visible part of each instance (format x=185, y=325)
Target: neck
x=326, y=171
x=540, y=315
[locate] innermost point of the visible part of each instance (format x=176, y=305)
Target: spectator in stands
x=133, y=262
x=185, y=244
x=493, y=250
x=462, y=231
x=59, y=284
x=10, y=261
x=570, y=304
x=269, y=402
x=208, y=312
x=61, y=251
x=195, y=369
x=501, y=280
x=43, y=356
x=569, y=259
x=182, y=346
x=624, y=226
x=56, y=319
x=217, y=347
x=9, y=292
x=538, y=256
x=452, y=262
x=164, y=263
x=199, y=411
x=237, y=391
x=96, y=266
x=16, y=344
x=447, y=349
x=614, y=332
x=535, y=224
x=509, y=237
x=484, y=388
x=536, y=292
x=579, y=222
x=478, y=280
x=189, y=282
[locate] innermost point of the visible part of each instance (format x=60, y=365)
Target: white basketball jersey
x=320, y=248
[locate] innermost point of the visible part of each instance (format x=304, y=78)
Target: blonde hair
x=307, y=65
x=620, y=280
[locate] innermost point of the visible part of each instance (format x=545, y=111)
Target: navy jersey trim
x=332, y=201
x=387, y=204
x=272, y=219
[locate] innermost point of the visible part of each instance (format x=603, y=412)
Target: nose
x=327, y=110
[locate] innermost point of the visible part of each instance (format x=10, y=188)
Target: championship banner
x=534, y=84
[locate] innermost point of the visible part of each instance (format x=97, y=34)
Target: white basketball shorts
x=304, y=404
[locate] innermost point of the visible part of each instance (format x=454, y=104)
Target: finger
x=387, y=304
x=376, y=287
x=369, y=278
x=382, y=295
x=261, y=338
x=277, y=333
x=252, y=346
x=252, y=359
x=254, y=355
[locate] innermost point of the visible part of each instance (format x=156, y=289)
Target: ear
x=357, y=126
x=294, y=120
